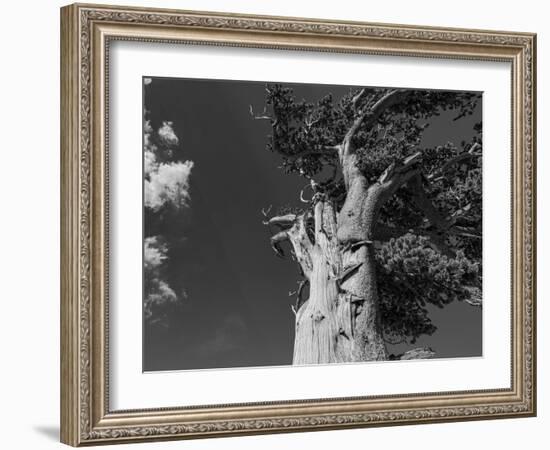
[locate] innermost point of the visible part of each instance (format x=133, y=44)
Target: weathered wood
x=340, y=321
x=417, y=353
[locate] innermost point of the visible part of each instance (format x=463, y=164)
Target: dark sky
x=237, y=311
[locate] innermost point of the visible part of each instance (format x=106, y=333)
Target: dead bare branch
x=355, y=245
x=309, y=122
x=276, y=242
x=347, y=271
x=476, y=297
x=454, y=161
x=302, y=199
x=283, y=221
x=357, y=98
x=417, y=353
x=474, y=302
x=399, y=168
x=265, y=213
x=262, y=116
x=299, y=294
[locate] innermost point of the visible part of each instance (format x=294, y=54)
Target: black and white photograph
x=298, y=224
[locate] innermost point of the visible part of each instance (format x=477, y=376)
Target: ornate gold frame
x=86, y=31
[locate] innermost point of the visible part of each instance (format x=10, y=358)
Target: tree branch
x=276, y=241
x=422, y=202
x=282, y=221
x=262, y=116
x=301, y=244
x=399, y=168
x=324, y=150
x=371, y=115
x=468, y=232
x=293, y=230
x=299, y=294
x=347, y=271
x=471, y=153
x=358, y=98
x=388, y=100
x=318, y=216
x=476, y=298
x=397, y=174
x=417, y=353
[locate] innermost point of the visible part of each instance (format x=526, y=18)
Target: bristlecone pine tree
x=389, y=227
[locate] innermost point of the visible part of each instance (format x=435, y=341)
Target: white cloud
x=168, y=183
x=154, y=252
x=166, y=133
x=161, y=293
x=149, y=162
x=147, y=81
x=147, y=128
x=158, y=292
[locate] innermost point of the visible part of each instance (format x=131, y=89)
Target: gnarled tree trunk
x=339, y=322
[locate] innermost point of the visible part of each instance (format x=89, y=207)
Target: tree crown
x=428, y=245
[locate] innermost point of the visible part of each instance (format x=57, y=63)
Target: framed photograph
x=275, y=225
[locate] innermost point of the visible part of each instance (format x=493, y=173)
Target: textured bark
x=317, y=324
x=340, y=321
